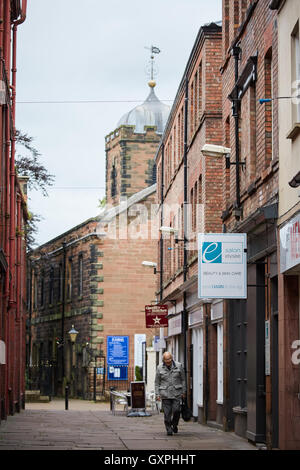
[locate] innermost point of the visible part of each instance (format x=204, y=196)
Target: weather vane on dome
x=151, y=68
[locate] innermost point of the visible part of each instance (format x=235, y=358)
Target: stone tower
x=131, y=147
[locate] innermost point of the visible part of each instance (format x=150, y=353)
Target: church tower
x=131, y=147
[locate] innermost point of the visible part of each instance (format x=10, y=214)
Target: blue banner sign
x=118, y=350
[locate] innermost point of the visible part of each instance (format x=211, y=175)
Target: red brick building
x=92, y=276
x=189, y=190
x=288, y=20
x=13, y=215
x=250, y=129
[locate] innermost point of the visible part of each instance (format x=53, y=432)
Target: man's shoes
x=175, y=429
x=169, y=432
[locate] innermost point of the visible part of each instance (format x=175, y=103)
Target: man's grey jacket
x=170, y=383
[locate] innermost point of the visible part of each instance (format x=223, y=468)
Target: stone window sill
x=294, y=132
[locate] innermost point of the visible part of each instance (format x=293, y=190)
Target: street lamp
x=173, y=231
x=151, y=265
x=73, y=334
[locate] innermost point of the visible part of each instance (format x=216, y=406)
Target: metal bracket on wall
x=256, y=285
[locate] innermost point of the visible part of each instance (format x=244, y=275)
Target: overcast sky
x=70, y=50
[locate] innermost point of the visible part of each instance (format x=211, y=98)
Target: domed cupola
x=151, y=113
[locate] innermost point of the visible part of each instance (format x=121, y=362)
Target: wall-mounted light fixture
x=73, y=334
x=171, y=230
x=151, y=264
x=228, y=163
x=295, y=181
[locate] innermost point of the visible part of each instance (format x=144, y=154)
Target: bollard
x=67, y=398
x=95, y=383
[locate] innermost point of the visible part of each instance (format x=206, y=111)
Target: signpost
x=222, y=265
x=156, y=316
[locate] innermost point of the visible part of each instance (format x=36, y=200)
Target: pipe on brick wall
x=63, y=312
x=161, y=222
x=5, y=75
x=18, y=257
x=185, y=224
x=12, y=292
x=236, y=54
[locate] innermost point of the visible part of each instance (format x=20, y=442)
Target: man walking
x=170, y=387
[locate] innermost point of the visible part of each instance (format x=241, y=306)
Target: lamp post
x=73, y=335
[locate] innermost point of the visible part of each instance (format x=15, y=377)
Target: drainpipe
x=185, y=222
x=161, y=220
x=6, y=66
x=12, y=299
x=18, y=263
x=63, y=314
x=29, y=307
x=161, y=241
x=19, y=292
x=236, y=54
x=5, y=74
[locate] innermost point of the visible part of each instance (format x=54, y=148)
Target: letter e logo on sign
x=212, y=252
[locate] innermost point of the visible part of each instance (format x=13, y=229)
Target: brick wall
x=258, y=179
x=204, y=174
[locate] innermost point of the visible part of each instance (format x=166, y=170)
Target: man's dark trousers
x=171, y=409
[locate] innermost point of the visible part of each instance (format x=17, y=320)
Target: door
x=197, y=340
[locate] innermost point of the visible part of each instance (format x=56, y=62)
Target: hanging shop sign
x=222, y=265
x=156, y=316
x=290, y=244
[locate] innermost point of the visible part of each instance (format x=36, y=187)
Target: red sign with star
x=156, y=316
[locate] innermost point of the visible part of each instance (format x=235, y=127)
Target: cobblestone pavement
x=91, y=426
